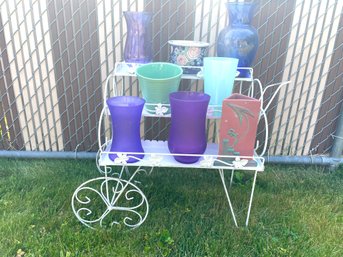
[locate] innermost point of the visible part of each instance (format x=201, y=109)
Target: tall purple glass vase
x=187, y=134
x=138, y=45
x=126, y=112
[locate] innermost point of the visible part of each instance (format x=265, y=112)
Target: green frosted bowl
x=156, y=81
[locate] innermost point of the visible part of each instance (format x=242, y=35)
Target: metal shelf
x=163, y=110
x=156, y=154
x=124, y=69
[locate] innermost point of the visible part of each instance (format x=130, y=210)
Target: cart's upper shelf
x=129, y=69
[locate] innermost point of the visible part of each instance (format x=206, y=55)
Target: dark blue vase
x=239, y=39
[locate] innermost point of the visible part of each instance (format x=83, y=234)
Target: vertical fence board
x=77, y=70
x=332, y=99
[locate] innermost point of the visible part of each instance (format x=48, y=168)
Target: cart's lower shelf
x=156, y=153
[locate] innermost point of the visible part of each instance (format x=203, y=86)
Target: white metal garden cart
x=116, y=198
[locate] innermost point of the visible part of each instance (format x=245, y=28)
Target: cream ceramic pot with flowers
x=188, y=53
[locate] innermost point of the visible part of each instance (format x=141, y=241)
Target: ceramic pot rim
x=160, y=63
x=188, y=43
x=239, y=97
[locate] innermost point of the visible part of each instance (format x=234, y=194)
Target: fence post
x=337, y=147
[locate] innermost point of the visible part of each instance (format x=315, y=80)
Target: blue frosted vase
x=239, y=39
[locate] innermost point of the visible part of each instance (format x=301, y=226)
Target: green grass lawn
x=297, y=211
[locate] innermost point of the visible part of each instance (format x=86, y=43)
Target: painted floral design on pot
x=188, y=53
x=181, y=60
x=240, y=115
x=193, y=53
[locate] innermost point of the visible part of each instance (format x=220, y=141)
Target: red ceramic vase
x=240, y=115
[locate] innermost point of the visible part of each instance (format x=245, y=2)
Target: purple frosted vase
x=187, y=134
x=138, y=45
x=126, y=112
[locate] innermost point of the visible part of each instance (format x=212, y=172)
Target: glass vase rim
x=160, y=63
x=250, y=5
x=240, y=3
x=122, y=101
x=200, y=97
x=221, y=59
x=138, y=12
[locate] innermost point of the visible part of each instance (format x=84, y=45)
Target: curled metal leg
x=107, y=201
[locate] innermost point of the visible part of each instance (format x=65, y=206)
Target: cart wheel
x=110, y=201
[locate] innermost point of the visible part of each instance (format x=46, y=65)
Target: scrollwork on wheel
x=109, y=201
